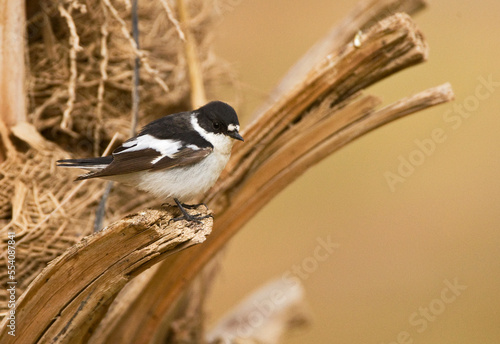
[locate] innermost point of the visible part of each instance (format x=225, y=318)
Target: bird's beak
x=235, y=135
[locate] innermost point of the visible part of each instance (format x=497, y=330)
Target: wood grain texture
x=74, y=291
x=362, y=17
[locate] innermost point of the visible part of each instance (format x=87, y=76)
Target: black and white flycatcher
x=177, y=157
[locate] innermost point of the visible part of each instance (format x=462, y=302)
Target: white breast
x=184, y=183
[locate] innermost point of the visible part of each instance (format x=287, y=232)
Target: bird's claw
x=192, y=218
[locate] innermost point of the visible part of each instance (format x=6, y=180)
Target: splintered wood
x=62, y=303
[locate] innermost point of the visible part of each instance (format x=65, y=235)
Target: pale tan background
x=396, y=249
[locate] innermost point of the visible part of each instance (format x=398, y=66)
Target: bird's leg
x=186, y=216
x=194, y=206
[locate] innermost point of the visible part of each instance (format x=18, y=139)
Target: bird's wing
x=184, y=157
x=145, y=152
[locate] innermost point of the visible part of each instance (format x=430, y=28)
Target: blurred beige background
x=399, y=251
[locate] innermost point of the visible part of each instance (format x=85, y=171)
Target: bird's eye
x=217, y=125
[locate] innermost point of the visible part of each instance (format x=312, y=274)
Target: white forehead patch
x=233, y=127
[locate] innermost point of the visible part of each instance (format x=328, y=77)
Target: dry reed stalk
x=171, y=17
x=104, y=77
x=74, y=41
x=198, y=97
x=12, y=68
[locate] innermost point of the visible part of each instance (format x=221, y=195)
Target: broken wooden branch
x=75, y=290
x=264, y=316
x=362, y=17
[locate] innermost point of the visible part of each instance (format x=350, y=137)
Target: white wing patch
x=154, y=161
x=93, y=168
x=165, y=147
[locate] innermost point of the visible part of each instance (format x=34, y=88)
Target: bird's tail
x=91, y=164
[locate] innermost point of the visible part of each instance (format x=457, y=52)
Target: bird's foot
x=188, y=217
x=192, y=218
x=193, y=206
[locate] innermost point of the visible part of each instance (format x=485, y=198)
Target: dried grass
x=32, y=191
x=81, y=58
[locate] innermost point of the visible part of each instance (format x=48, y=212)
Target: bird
x=176, y=157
